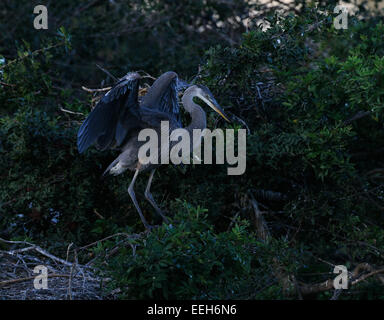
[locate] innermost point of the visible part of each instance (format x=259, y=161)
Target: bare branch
x=307, y=289
x=13, y=281
x=357, y=116
x=36, y=248
x=107, y=72
x=96, y=90
x=71, y=112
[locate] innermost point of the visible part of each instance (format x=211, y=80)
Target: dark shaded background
x=310, y=96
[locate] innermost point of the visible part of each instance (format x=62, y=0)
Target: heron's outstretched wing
x=113, y=117
x=163, y=95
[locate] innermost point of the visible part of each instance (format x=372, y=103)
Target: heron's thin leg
x=133, y=197
x=148, y=196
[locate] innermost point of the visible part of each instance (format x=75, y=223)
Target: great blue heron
x=118, y=117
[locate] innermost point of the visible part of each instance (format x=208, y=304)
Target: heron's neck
x=199, y=119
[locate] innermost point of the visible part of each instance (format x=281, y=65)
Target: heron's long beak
x=215, y=106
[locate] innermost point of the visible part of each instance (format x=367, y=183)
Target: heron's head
x=206, y=95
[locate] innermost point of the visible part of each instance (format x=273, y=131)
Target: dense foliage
x=310, y=96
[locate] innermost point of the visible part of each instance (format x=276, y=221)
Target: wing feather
x=113, y=117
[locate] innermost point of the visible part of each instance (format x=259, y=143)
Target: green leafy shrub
x=312, y=98
x=189, y=260
x=48, y=190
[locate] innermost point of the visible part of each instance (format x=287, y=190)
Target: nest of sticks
x=65, y=280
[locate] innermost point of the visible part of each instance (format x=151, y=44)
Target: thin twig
x=242, y=122
x=71, y=112
x=357, y=116
x=107, y=72
x=261, y=226
x=96, y=90
x=128, y=236
x=71, y=276
x=32, y=54
x=13, y=281
x=326, y=285
x=36, y=248
x=7, y=84
x=147, y=75
x=98, y=214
